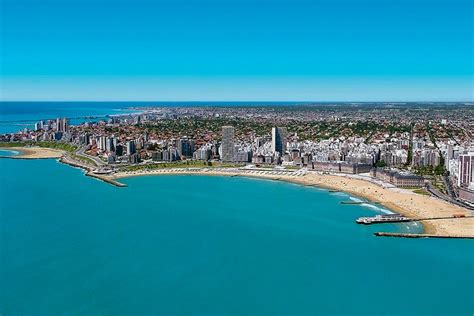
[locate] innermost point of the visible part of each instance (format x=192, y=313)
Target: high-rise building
x=131, y=149
x=203, y=153
x=279, y=139
x=59, y=124
x=62, y=125
x=449, y=152
x=185, y=147
x=119, y=150
x=166, y=155
x=466, y=169
x=102, y=143
x=110, y=144
x=65, y=125
x=227, y=146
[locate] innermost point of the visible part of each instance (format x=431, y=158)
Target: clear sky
x=318, y=50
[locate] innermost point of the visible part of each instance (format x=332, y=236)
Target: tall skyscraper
x=466, y=169
x=59, y=124
x=65, y=125
x=131, y=149
x=449, y=152
x=102, y=143
x=62, y=125
x=185, y=147
x=110, y=144
x=227, y=146
x=279, y=139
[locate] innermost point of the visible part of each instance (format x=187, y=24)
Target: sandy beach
x=34, y=152
x=400, y=200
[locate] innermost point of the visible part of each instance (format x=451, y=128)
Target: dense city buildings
x=407, y=145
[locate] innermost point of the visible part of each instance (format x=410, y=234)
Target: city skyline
x=391, y=142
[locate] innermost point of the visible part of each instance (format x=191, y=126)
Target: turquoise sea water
x=199, y=245
x=8, y=153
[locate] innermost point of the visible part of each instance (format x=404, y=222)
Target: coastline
x=34, y=152
x=399, y=200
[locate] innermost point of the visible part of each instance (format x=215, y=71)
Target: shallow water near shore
x=8, y=153
x=72, y=245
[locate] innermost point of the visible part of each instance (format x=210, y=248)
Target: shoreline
x=398, y=200
x=395, y=199
x=33, y=152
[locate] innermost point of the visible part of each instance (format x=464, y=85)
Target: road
x=82, y=152
x=442, y=196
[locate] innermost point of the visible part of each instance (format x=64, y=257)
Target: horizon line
x=237, y=101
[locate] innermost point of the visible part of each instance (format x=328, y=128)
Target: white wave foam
x=341, y=194
x=377, y=208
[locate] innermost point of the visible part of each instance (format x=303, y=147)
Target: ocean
x=15, y=116
x=203, y=245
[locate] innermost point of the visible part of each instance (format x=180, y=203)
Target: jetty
x=352, y=202
x=106, y=179
x=406, y=235
x=397, y=218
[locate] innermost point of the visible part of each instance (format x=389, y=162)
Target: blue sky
x=320, y=50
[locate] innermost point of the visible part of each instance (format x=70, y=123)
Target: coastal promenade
x=400, y=200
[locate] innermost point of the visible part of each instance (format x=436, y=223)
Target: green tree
x=381, y=164
x=439, y=170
